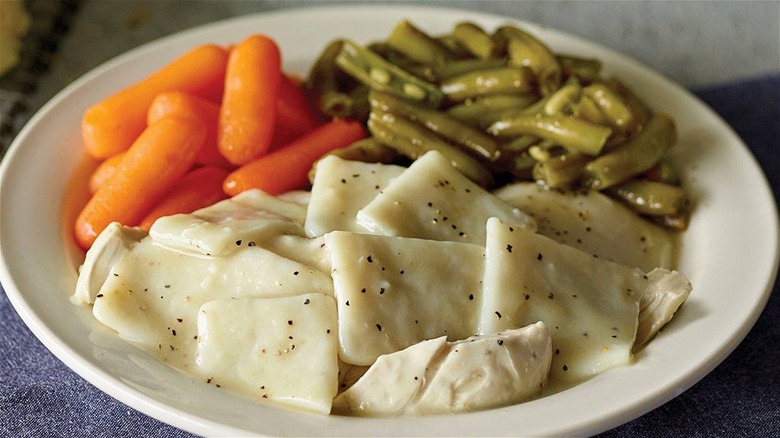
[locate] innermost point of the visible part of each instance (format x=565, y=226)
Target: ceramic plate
x=730, y=249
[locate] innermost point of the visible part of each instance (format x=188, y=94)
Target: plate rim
x=190, y=422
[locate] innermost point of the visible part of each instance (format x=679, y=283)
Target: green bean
x=526, y=50
x=367, y=150
x=324, y=83
x=639, y=109
x=417, y=45
x=635, y=156
x=587, y=109
x=413, y=140
x=562, y=171
x=480, y=111
x=488, y=82
x=574, y=134
x=611, y=105
x=563, y=99
x=663, y=172
x=374, y=71
x=462, y=66
x=476, y=41
x=585, y=70
x=453, y=46
x=650, y=197
x=441, y=123
x=360, y=105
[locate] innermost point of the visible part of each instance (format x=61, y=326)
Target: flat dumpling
x=341, y=188
x=151, y=295
x=590, y=306
x=391, y=292
x=433, y=200
x=594, y=223
x=247, y=219
x=280, y=350
x=437, y=377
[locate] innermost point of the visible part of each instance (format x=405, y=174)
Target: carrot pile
x=211, y=124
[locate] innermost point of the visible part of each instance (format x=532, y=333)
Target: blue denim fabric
x=41, y=397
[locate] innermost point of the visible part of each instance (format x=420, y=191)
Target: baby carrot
x=186, y=104
x=160, y=156
x=111, y=125
x=294, y=115
x=248, y=111
x=197, y=189
x=287, y=168
x=104, y=171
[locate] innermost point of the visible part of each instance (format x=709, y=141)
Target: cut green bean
x=413, y=140
x=560, y=172
x=635, y=156
x=417, y=45
x=650, y=197
x=585, y=70
x=526, y=50
x=639, y=109
x=663, y=172
x=367, y=150
x=476, y=41
x=562, y=100
x=324, y=83
x=574, y=134
x=439, y=122
x=611, y=105
x=480, y=83
x=476, y=111
x=377, y=73
x=461, y=66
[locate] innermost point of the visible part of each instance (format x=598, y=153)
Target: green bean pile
x=503, y=107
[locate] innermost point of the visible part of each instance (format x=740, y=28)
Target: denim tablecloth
x=40, y=396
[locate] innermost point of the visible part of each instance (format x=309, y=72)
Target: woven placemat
x=50, y=23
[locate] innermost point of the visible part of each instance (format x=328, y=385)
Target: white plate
x=729, y=253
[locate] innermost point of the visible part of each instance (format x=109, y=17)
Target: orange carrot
x=104, y=172
x=111, y=125
x=160, y=156
x=185, y=104
x=248, y=111
x=287, y=168
x=294, y=115
x=197, y=189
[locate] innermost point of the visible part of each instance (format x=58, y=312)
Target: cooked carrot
x=197, y=189
x=287, y=168
x=248, y=111
x=104, y=171
x=161, y=155
x=294, y=115
x=111, y=125
x=171, y=103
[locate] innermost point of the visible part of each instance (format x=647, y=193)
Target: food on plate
x=549, y=117
x=452, y=224
x=247, y=114
x=113, y=124
x=438, y=377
